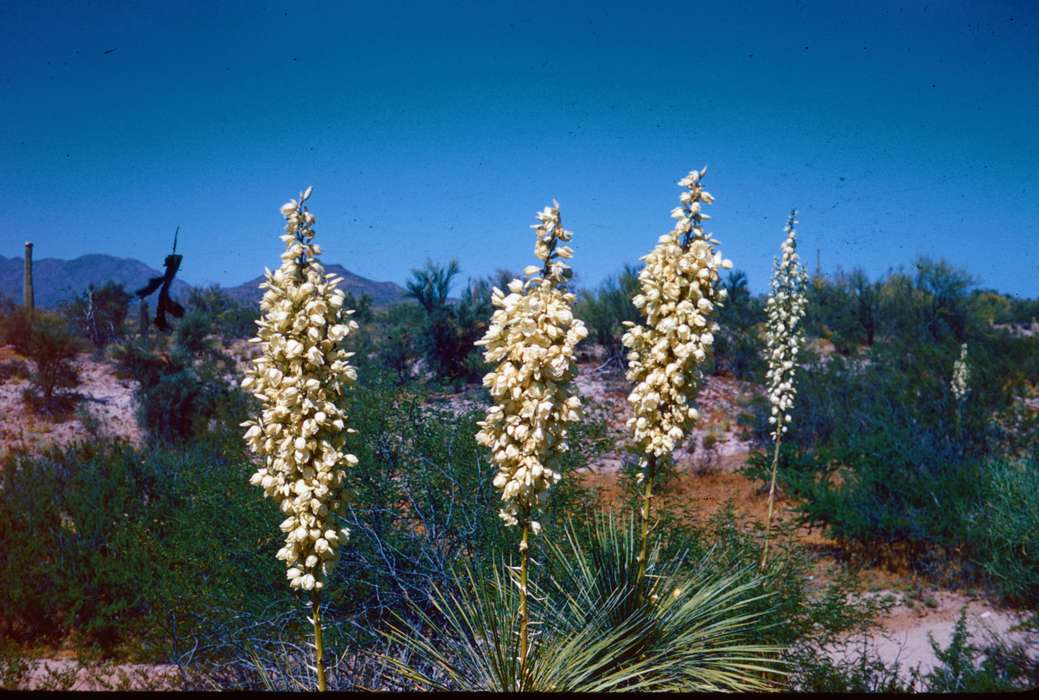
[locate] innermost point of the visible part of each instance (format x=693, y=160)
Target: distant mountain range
x=56, y=281
x=381, y=293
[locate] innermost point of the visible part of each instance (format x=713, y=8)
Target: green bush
x=881, y=452
x=1004, y=530
x=422, y=497
x=222, y=316
x=398, y=338
x=126, y=549
x=53, y=349
x=181, y=385
x=738, y=345
x=15, y=323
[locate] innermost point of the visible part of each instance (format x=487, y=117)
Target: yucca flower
x=787, y=301
x=679, y=292
x=960, y=375
x=531, y=340
x=784, y=308
x=300, y=377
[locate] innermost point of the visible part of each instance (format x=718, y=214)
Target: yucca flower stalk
x=959, y=383
x=785, y=308
x=299, y=378
x=960, y=375
x=679, y=292
x=531, y=340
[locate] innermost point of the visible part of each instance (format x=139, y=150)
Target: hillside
x=56, y=281
x=381, y=293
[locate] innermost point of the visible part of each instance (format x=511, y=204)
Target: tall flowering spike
x=680, y=289
x=785, y=308
x=300, y=378
x=531, y=340
x=960, y=374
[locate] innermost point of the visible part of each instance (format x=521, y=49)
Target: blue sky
x=438, y=129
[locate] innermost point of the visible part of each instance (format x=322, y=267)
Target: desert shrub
x=860, y=671
x=831, y=313
x=128, y=548
x=180, y=386
x=53, y=348
x=881, y=452
x=399, y=338
x=222, y=315
x=15, y=324
x=99, y=313
x=737, y=346
x=422, y=500
x=424, y=497
x=1004, y=529
x=933, y=304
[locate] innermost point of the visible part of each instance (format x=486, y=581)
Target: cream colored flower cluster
x=299, y=379
x=785, y=308
x=531, y=341
x=680, y=289
x=960, y=375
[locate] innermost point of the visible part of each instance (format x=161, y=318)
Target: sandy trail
x=907, y=629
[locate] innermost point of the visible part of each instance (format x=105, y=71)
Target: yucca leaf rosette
x=300, y=377
x=531, y=340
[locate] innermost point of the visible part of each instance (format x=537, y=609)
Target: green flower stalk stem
x=771, y=502
x=524, y=623
x=299, y=378
x=647, y=495
x=785, y=308
x=531, y=340
x=319, y=648
x=679, y=291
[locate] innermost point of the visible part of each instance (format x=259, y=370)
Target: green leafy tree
x=451, y=329
x=98, y=314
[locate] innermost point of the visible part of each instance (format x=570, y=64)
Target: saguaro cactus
x=27, y=292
